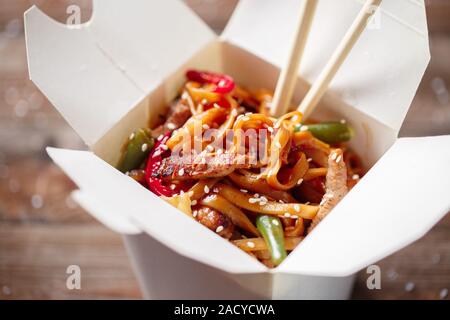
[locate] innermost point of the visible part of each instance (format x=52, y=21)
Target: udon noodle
x=261, y=182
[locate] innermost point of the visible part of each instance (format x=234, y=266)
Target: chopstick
x=288, y=76
x=319, y=87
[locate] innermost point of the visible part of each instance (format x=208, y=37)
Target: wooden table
x=42, y=231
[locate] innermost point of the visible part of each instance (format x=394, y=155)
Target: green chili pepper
x=136, y=150
x=272, y=232
x=329, y=132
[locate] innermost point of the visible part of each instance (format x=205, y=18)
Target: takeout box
x=116, y=72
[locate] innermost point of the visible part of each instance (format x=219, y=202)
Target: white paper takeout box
x=119, y=70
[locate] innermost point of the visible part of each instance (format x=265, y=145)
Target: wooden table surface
x=42, y=230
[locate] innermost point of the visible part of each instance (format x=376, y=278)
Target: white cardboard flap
x=112, y=196
x=396, y=203
x=95, y=73
x=384, y=69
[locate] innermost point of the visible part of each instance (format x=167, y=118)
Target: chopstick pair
x=288, y=76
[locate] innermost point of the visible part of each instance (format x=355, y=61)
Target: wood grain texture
x=42, y=231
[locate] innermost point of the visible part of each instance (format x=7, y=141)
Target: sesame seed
x=171, y=126
x=256, y=195
x=270, y=129
x=181, y=193
x=144, y=147
x=131, y=136
x=193, y=202
x=280, y=201
x=322, y=202
x=194, y=214
x=297, y=207
x=343, y=121
x=205, y=126
x=157, y=153
x=306, y=203
x=239, y=117
x=127, y=173
x=250, y=244
x=333, y=156
x=355, y=176
x=221, y=83
x=216, y=190
x=299, y=181
x=190, y=193
x=219, y=229
x=244, y=191
x=172, y=187
x=304, y=128
x=216, y=106
x=181, y=172
x=278, y=145
x=204, y=101
x=159, y=137
x=245, y=118
x=287, y=215
x=253, y=200
x=164, y=147
x=264, y=199
x=275, y=222
x=309, y=159
x=338, y=159
x=206, y=189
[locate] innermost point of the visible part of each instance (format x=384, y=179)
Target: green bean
x=271, y=229
x=136, y=150
x=329, y=132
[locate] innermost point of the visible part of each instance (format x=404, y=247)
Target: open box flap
x=114, y=196
x=384, y=69
x=403, y=196
x=96, y=72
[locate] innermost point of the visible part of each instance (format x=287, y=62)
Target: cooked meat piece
x=178, y=114
x=201, y=166
x=214, y=220
x=335, y=186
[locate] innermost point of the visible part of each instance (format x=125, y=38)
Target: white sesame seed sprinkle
x=355, y=176
x=244, y=191
x=206, y=189
x=309, y=159
x=144, y=147
x=250, y=244
x=204, y=101
x=343, y=121
x=287, y=215
x=164, y=147
x=278, y=145
x=172, y=187
x=219, y=229
x=333, y=156
x=159, y=137
x=157, y=153
x=409, y=286
x=275, y=222
x=299, y=182
x=297, y=207
x=193, y=202
x=131, y=136
x=443, y=293
x=304, y=128
x=194, y=214
x=245, y=118
x=338, y=159
x=190, y=193
x=264, y=199
x=253, y=200
x=216, y=106
x=256, y=195
x=270, y=129
x=216, y=190
x=171, y=126
x=205, y=126
x=181, y=172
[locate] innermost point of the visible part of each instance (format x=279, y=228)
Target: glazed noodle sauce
x=263, y=183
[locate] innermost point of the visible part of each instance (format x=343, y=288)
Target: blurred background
x=42, y=231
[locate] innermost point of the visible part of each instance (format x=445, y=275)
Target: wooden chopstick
x=289, y=74
x=319, y=87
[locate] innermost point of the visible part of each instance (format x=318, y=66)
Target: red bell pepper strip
x=223, y=82
x=156, y=184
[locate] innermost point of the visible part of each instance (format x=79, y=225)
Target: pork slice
x=201, y=166
x=335, y=186
x=177, y=116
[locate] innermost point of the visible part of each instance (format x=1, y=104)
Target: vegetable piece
x=223, y=83
x=272, y=231
x=329, y=132
x=136, y=150
x=155, y=184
